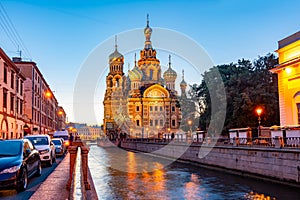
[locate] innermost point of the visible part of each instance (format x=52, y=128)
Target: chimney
x=17, y=59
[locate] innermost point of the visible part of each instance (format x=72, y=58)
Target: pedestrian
x=172, y=135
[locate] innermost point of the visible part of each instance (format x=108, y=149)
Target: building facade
x=41, y=107
x=288, y=71
x=12, y=98
x=90, y=132
x=143, y=103
x=62, y=119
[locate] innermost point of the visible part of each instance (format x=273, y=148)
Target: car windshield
x=57, y=142
x=39, y=140
x=62, y=136
x=10, y=148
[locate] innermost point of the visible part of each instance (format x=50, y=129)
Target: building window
x=4, y=99
x=161, y=122
x=161, y=108
x=21, y=88
x=151, y=108
x=17, y=84
x=155, y=108
x=173, y=122
x=156, y=122
x=12, y=80
x=12, y=102
x=137, y=108
x=5, y=74
x=21, y=107
x=298, y=107
x=173, y=108
x=151, y=122
x=137, y=122
x=17, y=105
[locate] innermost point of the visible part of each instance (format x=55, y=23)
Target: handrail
x=79, y=177
x=267, y=142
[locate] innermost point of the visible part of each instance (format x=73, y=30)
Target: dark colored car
x=59, y=146
x=19, y=160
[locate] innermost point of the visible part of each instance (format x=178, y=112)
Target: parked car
x=19, y=160
x=64, y=135
x=59, y=146
x=45, y=146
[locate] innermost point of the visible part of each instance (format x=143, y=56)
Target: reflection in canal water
x=114, y=174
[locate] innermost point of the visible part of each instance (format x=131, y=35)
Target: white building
x=89, y=132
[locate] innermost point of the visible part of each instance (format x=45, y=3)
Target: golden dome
x=170, y=74
x=116, y=55
x=135, y=73
x=183, y=83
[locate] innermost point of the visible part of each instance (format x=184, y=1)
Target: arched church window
x=151, y=74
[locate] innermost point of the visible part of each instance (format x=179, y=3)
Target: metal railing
x=277, y=142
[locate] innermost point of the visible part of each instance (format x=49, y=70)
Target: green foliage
x=248, y=85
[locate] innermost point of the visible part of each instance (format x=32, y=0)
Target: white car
x=45, y=147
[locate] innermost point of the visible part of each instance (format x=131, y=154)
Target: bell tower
x=115, y=85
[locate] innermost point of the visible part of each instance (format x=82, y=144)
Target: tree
x=247, y=85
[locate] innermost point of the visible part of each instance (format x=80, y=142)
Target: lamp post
x=130, y=130
x=190, y=124
x=259, y=111
x=147, y=129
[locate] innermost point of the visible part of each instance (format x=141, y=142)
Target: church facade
x=144, y=103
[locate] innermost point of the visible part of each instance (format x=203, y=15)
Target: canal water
x=119, y=174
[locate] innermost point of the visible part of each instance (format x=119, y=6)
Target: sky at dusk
x=60, y=35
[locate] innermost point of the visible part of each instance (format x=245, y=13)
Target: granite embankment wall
x=278, y=165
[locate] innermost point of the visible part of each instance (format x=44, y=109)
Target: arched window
x=151, y=74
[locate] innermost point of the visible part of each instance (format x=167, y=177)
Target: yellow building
x=144, y=103
x=288, y=71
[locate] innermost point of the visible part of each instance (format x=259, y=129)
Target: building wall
x=89, y=132
x=12, y=101
x=41, y=104
x=288, y=72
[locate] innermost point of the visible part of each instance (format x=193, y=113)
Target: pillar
x=73, y=153
x=84, y=165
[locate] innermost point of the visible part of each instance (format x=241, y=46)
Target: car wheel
x=39, y=169
x=22, y=184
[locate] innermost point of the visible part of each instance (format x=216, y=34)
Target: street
x=33, y=184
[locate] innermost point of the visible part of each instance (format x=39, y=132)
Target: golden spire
x=116, y=42
x=147, y=33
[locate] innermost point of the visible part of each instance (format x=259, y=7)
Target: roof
x=288, y=40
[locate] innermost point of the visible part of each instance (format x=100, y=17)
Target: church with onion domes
x=144, y=103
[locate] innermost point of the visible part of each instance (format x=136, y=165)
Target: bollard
x=73, y=152
x=84, y=165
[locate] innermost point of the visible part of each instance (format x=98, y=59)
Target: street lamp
x=147, y=129
x=259, y=111
x=190, y=124
x=157, y=127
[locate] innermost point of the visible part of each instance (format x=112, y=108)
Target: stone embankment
x=277, y=165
